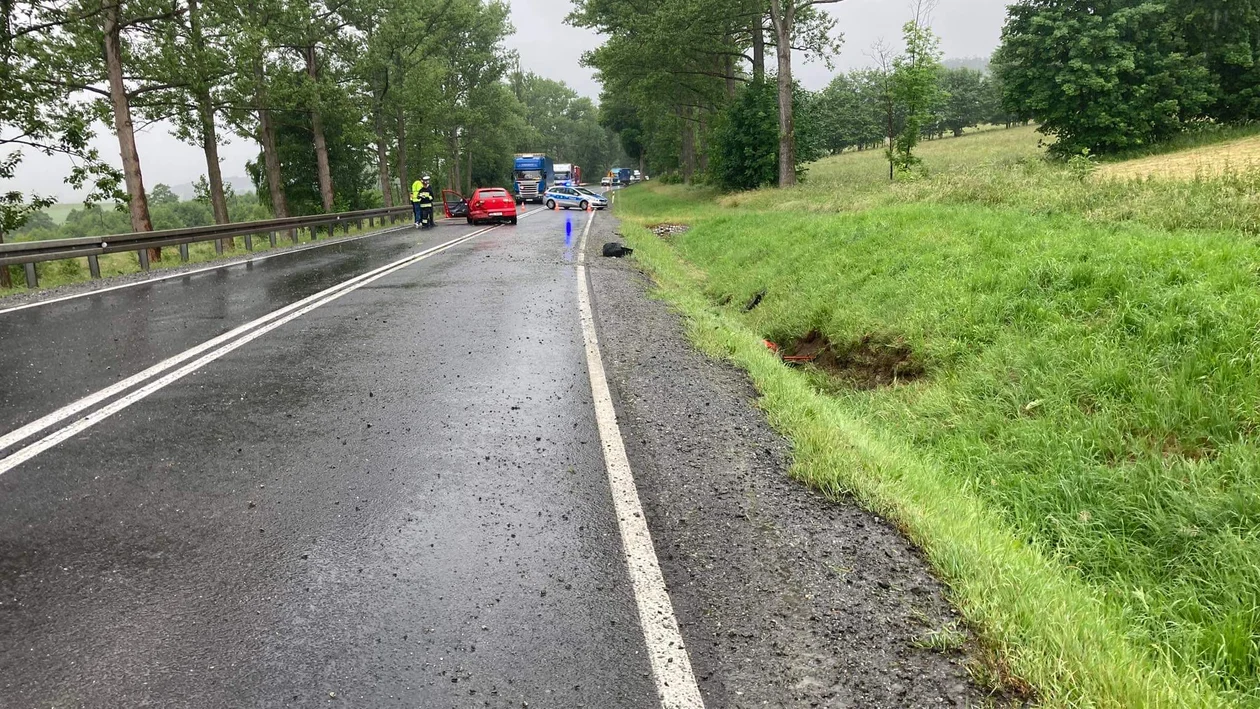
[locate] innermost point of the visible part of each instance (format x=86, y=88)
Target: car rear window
x=486, y=194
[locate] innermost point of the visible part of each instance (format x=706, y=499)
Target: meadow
x=1047, y=377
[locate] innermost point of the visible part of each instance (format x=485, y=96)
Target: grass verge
x=1078, y=462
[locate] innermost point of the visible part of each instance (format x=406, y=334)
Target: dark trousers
x=417, y=211
x=426, y=215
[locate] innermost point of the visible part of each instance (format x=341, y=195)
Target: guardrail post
x=271, y=237
x=218, y=247
x=144, y=257
x=183, y=254
x=249, y=242
x=94, y=266
x=32, y=278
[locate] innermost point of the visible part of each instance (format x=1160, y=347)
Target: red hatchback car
x=488, y=204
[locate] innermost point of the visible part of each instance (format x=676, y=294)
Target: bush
x=1109, y=78
x=744, y=147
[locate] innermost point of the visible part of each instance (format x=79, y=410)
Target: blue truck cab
x=532, y=174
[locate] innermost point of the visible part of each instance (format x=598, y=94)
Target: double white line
x=170, y=370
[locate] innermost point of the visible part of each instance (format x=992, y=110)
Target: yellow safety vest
x=415, y=190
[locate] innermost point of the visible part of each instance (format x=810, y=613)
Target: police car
x=575, y=198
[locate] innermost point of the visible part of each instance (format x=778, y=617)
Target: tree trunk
x=209, y=134
x=890, y=110
x=688, y=146
x=210, y=145
x=317, y=129
x=267, y=138
x=728, y=69
x=405, y=183
x=214, y=174
x=455, y=178
x=469, y=177
x=5, y=280
x=784, y=16
x=138, y=202
x=759, y=50
x=702, y=158
x=382, y=157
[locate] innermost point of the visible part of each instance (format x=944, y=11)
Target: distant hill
x=241, y=185
x=978, y=63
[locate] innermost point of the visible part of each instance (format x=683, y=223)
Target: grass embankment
x=1078, y=457
x=68, y=271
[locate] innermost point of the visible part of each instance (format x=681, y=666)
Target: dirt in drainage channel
x=869, y=362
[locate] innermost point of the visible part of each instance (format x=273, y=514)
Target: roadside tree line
x=689, y=93
x=669, y=67
x=348, y=100
x=1119, y=75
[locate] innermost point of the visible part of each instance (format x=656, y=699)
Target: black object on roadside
x=756, y=300
x=614, y=249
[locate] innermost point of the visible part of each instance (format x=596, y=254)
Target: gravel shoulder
x=785, y=598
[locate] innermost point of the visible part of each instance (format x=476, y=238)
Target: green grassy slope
x=1079, y=459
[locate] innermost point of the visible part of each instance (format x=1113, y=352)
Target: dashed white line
x=671, y=667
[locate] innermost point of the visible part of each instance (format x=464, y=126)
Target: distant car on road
x=605, y=182
x=574, y=198
x=488, y=204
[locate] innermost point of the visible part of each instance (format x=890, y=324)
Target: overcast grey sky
x=549, y=47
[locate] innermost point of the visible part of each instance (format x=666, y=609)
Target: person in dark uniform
x=424, y=196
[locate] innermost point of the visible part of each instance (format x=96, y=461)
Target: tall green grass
x=1080, y=462
x=1006, y=168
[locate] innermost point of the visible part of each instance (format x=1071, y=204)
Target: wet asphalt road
x=57, y=353
x=397, y=499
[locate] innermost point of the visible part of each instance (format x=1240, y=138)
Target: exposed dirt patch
x=869, y=362
x=666, y=231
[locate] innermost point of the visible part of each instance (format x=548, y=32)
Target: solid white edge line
x=292, y=249
x=285, y=314
x=671, y=667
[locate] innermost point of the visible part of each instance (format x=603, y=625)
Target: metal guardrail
x=29, y=253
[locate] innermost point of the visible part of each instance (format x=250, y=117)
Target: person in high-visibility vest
x=424, y=196
x=415, y=201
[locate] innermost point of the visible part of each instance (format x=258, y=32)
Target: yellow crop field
x=1207, y=161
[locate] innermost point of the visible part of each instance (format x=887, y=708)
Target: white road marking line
x=671, y=667
x=18, y=435
x=253, y=259
x=265, y=324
